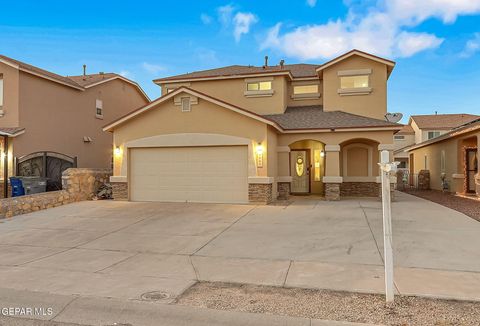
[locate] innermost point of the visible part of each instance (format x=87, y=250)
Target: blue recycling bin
x=17, y=187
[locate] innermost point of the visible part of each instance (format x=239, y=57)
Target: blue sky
x=436, y=43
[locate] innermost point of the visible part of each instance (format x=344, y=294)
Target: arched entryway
x=307, y=167
x=359, y=167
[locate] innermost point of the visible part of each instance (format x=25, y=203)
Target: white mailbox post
x=386, y=168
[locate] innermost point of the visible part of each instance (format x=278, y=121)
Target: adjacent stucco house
x=452, y=157
x=421, y=128
x=61, y=116
x=242, y=134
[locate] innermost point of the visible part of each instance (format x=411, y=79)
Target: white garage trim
x=208, y=174
x=189, y=140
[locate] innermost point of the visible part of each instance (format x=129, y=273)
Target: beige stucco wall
x=232, y=91
x=56, y=118
x=204, y=118
x=454, y=160
x=373, y=105
x=11, y=88
x=407, y=141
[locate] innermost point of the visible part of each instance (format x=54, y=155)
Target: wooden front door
x=300, y=171
x=471, y=168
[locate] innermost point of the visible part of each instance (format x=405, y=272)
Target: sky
x=435, y=43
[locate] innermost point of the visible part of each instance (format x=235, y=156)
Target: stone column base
x=120, y=190
x=260, y=193
x=283, y=190
x=332, y=191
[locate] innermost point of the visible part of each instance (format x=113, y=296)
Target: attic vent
x=186, y=107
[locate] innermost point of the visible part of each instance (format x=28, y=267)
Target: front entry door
x=472, y=168
x=300, y=171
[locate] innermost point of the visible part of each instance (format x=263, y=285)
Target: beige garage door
x=192, y=174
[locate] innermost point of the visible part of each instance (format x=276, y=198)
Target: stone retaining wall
x=78, y=185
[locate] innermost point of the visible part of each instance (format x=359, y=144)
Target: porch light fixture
x=322, y=154
x=259, y=150
x=117, y=151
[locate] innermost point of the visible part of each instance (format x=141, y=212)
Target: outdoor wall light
x=118, y=151
x=322, y=154
x=259, y=150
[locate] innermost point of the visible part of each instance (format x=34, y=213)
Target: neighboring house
x=41, y=111
x=421, y=128
x=242, y=134
x=452, y=157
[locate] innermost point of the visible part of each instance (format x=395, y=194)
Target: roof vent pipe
x=266, y=61
x=84, y=70
x=282, y=63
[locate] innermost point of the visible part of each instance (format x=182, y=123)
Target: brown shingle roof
x=313, y=117
x=39, y=71
x=87, y=80
x=297, y=70
x=442, y=121
x=407, y=129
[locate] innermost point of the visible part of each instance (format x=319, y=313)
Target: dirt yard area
x=331, y=305
x=469, y=207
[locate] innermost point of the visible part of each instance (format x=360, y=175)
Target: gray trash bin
x=34, y=185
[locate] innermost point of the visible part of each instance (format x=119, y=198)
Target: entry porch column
x=284, y=179
x=332, y=178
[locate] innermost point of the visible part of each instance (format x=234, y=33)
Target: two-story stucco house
x=421, y=128
x=49, y=122
x=242, y=134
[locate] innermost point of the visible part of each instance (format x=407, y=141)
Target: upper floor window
x=255, y=87
x=433, y=134
x=99, y=109
x=305, y=89
x=399, y=137
x=354, y=81
x=259, y=86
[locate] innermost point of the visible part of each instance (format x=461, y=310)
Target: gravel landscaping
x=467, y=206
x=331, y=305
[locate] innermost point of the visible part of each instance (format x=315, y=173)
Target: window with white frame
x=99, y=109
x=259, y=86
x=433, y=134
x=186, y=105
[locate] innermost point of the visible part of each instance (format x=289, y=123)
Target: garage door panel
x=196, y=174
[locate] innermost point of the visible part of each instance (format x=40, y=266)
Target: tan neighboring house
x=451, y=159
x=242, y=134
x=421, y=128
x=49, y=122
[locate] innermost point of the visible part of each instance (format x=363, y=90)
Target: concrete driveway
x=122, y=250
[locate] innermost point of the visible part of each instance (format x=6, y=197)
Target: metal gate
x=49, y=165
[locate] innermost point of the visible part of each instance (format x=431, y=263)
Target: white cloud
x=471, y=47
x=152, y=68
x=225, y=14
x=382, y=28
x=242, y=22
x=311, y=3
x=206, y=19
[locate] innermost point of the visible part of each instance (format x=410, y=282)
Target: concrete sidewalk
x=78, y=310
